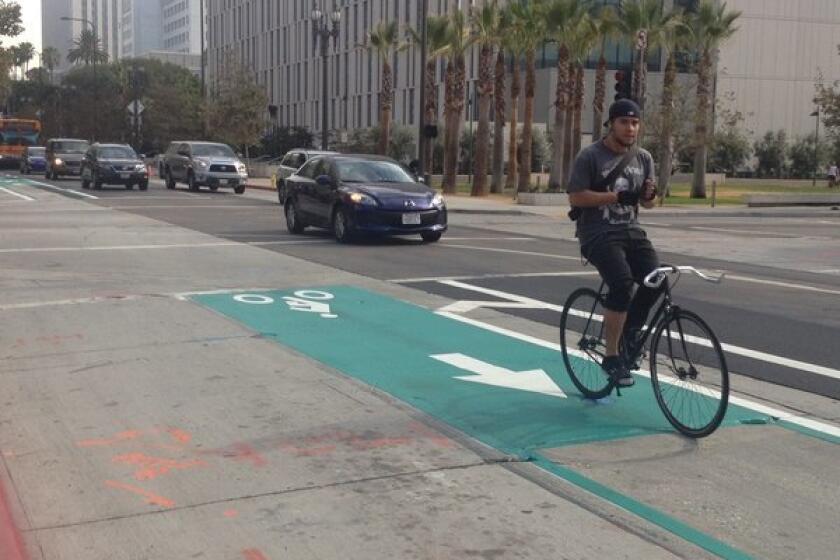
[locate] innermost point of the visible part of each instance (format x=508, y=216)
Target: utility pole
x=136, y=91
x=322, y=31
x=203, y=56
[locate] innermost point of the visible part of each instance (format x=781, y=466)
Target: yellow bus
x=15, y=135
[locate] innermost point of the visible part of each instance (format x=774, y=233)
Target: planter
x=543, y=199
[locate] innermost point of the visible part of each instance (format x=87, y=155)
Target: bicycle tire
x=690, y=351
x=582, y=343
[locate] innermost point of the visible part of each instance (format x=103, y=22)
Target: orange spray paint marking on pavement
x=246, y=453
x=153, y=467
x=120, y=437
x=152, y=499
x=253, y=554
x=180, y=436
x=230, y=513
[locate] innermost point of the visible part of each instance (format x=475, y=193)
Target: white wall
x=772, y=63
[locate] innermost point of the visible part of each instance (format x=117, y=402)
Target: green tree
x=457, y=44
x=87, y=49
x=711, y=26
x=562, y=18
x=282, y=139
x=26, y=52
x=237, y=108
x=607, y=25
x=384, y=40
x=801, y=153
x=10, y=26
x=486, y=23
x=80, y=117
x=771, y=152
x=50, y=59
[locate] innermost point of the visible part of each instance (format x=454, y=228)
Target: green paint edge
x=646, y=512
x=809, y=432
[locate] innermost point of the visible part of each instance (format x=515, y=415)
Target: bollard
x=714, y=192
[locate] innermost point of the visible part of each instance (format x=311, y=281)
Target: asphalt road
x=783, y=323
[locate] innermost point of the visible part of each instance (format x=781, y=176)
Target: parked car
x=34, y=158
x=64, y=157
x=353, y=194
x=113, y=164
x=291, y=162
x=204, y=163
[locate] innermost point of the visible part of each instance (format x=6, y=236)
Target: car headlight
x=437, y=200
x=241, y=168
x=140, y=167
x=58, y=161
x=202, y=164
x=363, y=199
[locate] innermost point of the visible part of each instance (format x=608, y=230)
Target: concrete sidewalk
x=507, y=205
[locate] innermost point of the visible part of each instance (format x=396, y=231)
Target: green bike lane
x=509, y=394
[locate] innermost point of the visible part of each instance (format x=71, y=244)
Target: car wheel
x=193, y=186
x=144, y=186
x=431, y=236
x=281, y=191
x=239, y=189
x=293, y=222
x=341, y=226
x=214, y=188
x=170, y=181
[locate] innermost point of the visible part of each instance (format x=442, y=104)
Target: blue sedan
x=34, y=158
x=362, y=194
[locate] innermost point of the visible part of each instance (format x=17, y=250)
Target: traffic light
x=623, y=84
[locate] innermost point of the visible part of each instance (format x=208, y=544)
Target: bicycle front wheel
x=689, y=374
x=583, y=343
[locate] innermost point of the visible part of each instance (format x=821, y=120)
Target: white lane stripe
x=740, y=350
x=782, y=284
x=497, y=250
x=810, y=423
x=746, y=231
x=33, y=304
x=486, y=276
x=17, y=194
x=152, y=247
x=59, y=189
x=447, y=239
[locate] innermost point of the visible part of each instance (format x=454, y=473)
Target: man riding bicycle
x=609, y=180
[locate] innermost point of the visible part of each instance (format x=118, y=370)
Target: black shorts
x=623, y=258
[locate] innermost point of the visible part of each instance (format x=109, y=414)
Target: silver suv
x=292, y=161
x=204, y=164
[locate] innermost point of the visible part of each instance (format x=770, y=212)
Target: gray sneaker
x=618, y=372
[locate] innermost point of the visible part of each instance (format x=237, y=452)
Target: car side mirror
x=324, y=180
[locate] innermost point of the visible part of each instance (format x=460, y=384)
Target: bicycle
x=691, y=388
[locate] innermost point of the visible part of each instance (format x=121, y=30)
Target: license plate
x=223, y=181
x=125, y=175
x=411, y=219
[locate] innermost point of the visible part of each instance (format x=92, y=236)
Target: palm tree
x=514, y=46
x=530, y=18
x=50, y=58
x=712, y=25
x=499, y=121
x=643, y=23
x=607, y=25
x=581, y=40
x=87, y=49
x=486, y=25
x=458, y=41
x=676, y=38
x=384, y=40
x=437, y=29
x=562, y=17
x=26, y=52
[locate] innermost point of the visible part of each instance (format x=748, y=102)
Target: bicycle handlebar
x=655, y=278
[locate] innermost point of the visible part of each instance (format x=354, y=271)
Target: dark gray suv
x=204, y=164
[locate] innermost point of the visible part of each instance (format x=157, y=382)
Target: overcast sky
x=31, y=12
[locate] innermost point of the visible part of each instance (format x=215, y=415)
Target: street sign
x=135, y=108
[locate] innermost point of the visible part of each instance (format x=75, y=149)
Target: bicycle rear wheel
x=582, y=341
x=689, y=374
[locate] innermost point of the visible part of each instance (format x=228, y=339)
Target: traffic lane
x=761, y=329
x=819, y=228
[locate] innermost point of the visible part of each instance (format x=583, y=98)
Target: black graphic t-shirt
x=591, y=166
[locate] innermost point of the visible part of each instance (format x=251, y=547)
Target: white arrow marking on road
x=535, y=380
x=309, y=306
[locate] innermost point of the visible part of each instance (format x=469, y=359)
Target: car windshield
x=118, y=152
x=211, y=150
x=364, y=171
x=71, y=147
x=37, y=152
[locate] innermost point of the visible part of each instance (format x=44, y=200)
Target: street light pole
x=421, y=139
x=203, y=60
x=322, y=31
x=95, y=56
x=816, y=147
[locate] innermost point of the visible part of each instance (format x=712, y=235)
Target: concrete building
x=127, y=28
x=770, y=65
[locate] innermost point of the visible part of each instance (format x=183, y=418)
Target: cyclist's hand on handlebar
x=628, y=198
x=650, y=190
